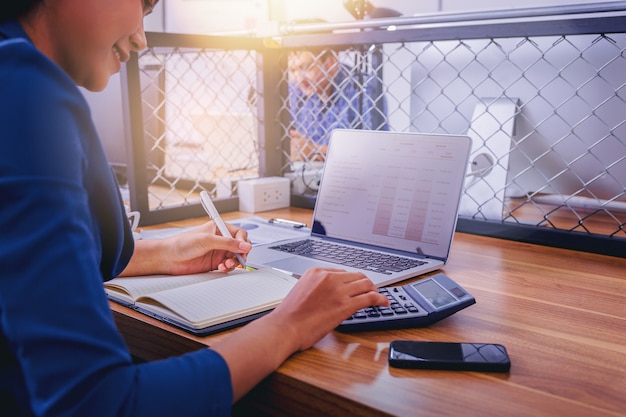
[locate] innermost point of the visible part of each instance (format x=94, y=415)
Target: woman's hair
x=12, y=9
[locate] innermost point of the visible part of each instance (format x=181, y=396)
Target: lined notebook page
x=211, y=302
x=143, y=285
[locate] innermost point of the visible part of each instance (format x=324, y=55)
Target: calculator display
x=434, y=293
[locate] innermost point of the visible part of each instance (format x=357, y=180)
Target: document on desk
x=260, y=230
x=203, y=303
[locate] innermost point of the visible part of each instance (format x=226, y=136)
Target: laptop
x=387, y=206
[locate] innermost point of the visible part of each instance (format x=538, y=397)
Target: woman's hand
x=204, y=249
x=319, y=302
x=197, y=250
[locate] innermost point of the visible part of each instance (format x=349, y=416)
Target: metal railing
x=541, y=91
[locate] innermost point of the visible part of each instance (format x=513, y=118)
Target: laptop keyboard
x=354, y=257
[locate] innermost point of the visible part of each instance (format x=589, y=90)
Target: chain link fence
x=199, y=127
x=544, y=101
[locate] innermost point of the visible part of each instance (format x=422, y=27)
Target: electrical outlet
x=262, y=194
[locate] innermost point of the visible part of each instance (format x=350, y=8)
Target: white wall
x=210, y=16
x=207, y=16
x=474, y=5
x=334, y=11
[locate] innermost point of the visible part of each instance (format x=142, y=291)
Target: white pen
x=209, y=207
x=295, y=225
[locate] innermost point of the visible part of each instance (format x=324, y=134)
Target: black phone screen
x=446, y=355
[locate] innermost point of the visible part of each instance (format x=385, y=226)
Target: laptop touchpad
x=298, y=265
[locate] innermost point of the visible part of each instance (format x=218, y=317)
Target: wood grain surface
x=561, y=315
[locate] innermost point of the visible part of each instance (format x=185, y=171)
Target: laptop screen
x=392, y=189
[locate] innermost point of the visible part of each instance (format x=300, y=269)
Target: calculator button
x=404, y=311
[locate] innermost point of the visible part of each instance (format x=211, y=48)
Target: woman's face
x=89, y=39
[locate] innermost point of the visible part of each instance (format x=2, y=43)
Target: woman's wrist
x=147, y=259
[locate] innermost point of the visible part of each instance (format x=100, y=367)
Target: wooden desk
x=561, y=314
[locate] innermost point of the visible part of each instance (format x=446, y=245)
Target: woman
x=63, y=231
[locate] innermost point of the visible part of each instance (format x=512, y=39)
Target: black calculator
x=417, y=304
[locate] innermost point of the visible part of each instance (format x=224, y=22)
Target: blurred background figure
x=326, y=94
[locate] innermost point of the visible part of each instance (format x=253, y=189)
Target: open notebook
x=394, y=195
x=203, y=303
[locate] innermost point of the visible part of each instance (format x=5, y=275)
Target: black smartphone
x=486, y=357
